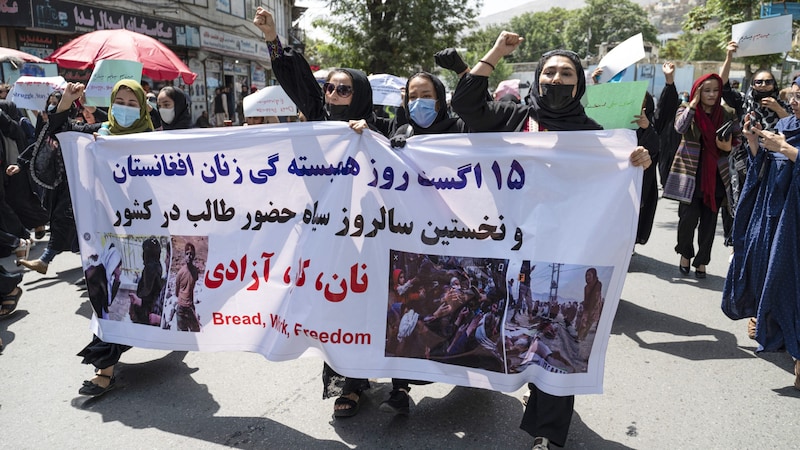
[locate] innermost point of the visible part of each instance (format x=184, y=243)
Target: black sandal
x=352, y=405
x=9, y=302
x=95, y=390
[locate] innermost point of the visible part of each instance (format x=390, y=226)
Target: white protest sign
x=269, y=101
x=106, y=74
x=763, y=37
x=32, y=92
x=310, y=239
x=386, y=89
x=623, y=55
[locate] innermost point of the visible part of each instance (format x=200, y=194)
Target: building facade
x=215, y=38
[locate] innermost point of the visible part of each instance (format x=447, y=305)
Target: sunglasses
x=764, y=82
x=342, y=90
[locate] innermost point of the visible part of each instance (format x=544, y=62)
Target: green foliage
x=600, y=21
x=394, y=36
x=606, y=21
x=543, y=31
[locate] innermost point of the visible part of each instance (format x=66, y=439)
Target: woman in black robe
x=346, y=96
x=553, y=105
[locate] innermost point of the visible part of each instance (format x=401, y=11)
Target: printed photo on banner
x=447, y=309
x=187, y=265
x=126, y=280
x=148, y=280
x=553, y=313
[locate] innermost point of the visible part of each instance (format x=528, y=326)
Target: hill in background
x=666, y=15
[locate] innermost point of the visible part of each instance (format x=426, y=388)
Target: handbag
x=46, y=165
x=724, y=132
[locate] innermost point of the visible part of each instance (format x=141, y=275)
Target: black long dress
x=545, y=415
x=296, y=78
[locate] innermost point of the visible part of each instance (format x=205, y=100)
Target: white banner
x=763, y=37
x=307, y=238
x=269, y=101
x=32, y=92
x=624, y=55
x=387, y=89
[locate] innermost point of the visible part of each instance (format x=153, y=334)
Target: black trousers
x=696, y=215
x=548, y=415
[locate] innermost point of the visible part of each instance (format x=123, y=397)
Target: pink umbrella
x=159, y=62
x=17, y=58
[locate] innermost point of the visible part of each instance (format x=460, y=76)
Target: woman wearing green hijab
x=128, y=114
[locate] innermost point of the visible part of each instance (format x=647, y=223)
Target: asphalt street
x=679, y=375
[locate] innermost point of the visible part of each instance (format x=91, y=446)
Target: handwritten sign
x=106, y=74
x=310, y=239
x=386, y=89
x=623, y=55
x=269, y=101
x=613, y=105
x=32, y=92
x=763, y=37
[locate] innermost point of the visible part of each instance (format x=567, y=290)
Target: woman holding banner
x=128, y=114
x=553, y=105
x=345, y=96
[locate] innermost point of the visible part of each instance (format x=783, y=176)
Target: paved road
x=679, y=375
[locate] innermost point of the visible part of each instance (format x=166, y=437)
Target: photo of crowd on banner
x=553, y=314
x=447, y=309
x=148, y=280
x=462, y=311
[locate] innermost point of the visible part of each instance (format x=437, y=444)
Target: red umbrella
x=17, y=57
x=159, y=62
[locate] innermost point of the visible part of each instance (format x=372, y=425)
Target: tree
x=606, y=21
x=323, y=54
x=395, y=36
x=543, y=31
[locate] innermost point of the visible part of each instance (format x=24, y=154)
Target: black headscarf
x=572, y=117
x=361, y=104
x=752, y=102
x=10, y=126
x=443, y=123
x=649, y=107
x=183, y=117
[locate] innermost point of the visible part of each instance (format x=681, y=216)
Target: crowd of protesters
x=714, y=148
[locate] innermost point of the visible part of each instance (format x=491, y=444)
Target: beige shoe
x=797, y=374
x=541, y=443
x=751, y=328
x=37, y=265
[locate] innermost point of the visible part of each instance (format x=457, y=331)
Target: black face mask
x=556, y=96
x=337, y=112
x=758, y=95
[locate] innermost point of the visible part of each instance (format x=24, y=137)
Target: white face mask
x=167, y=114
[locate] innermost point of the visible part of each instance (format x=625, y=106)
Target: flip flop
x=352, y=407
x=8, y=304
